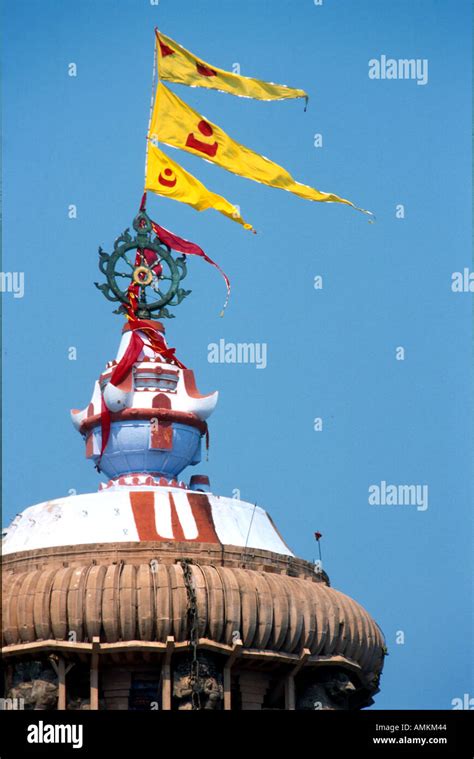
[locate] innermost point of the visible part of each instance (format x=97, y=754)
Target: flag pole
x=153, y=81
x=318, y=536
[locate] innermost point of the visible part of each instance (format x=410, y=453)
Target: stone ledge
x=165, y=552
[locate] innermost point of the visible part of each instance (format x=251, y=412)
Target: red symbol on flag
x=205, y=70
x=198, y=144
x=165, y=50
x=167, y=182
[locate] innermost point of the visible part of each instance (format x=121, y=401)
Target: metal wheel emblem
x=145, y=261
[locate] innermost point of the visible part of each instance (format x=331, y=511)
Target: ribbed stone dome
x=149, y=602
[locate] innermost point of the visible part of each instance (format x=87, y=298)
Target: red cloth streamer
x=128, y=359
x=185, y=246
x=156, y=341
x=118, y=375
x=189, y=248
x=124, y=367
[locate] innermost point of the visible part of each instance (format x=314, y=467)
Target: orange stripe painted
x=161, y=433
x=161, y=436
x=143, y=508
x=178, y=533
x=202, y=513
x=165, y=436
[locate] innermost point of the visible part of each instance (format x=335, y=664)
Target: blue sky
x=331, y=352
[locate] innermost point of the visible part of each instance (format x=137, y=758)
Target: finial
x=142, y=274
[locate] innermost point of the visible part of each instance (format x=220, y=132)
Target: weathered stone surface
x=36, y=684
x=331, y=691
x=207, y=686
x=270, y=612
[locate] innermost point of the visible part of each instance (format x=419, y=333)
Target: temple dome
x=272, y=614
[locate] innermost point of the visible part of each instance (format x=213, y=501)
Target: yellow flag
x=176, y=123
x=176, y=64
x=166, y=177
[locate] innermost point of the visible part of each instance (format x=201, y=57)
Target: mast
x=152, y=100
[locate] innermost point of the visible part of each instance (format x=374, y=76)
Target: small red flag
x=188, y=248
x=183, y=246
